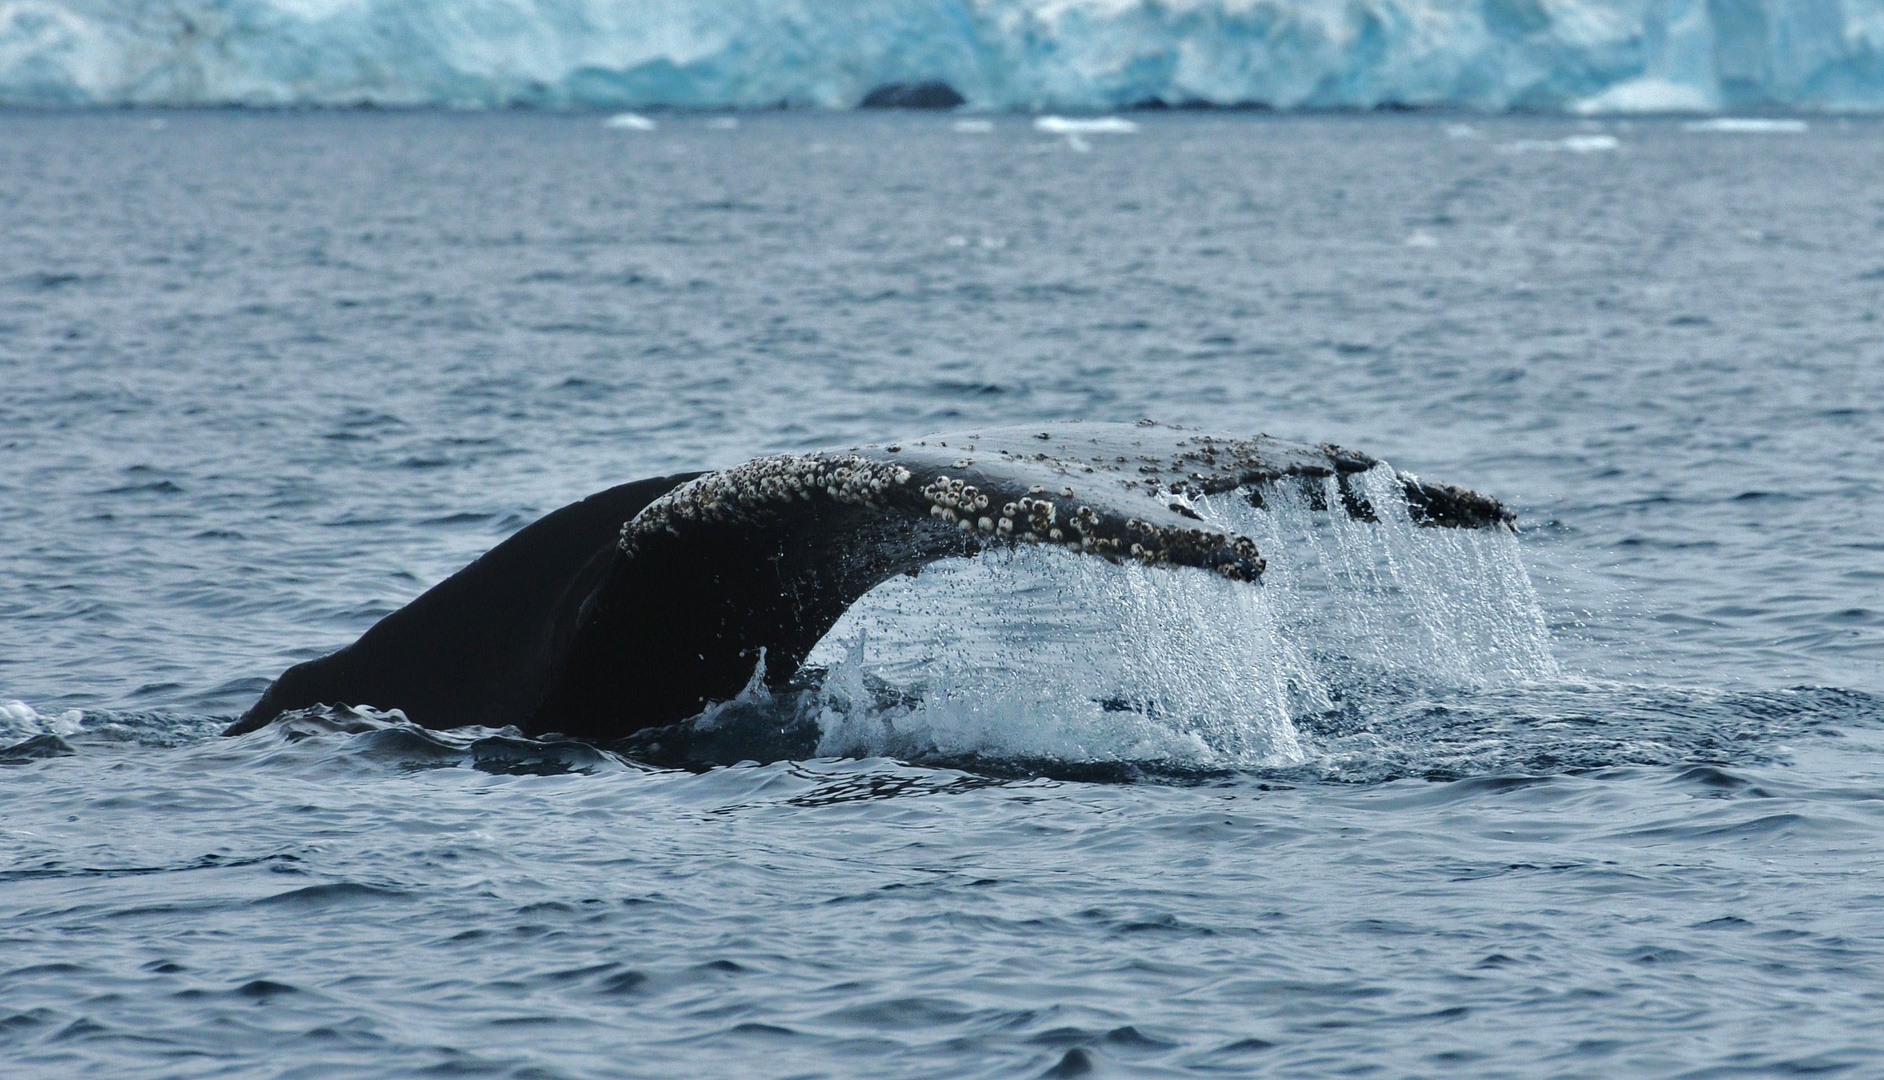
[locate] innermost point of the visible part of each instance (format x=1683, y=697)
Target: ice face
x=1592, y=56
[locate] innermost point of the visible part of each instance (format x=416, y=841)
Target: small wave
x=313, y=897
x=350, y=736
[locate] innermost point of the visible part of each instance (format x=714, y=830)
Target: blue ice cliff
x=1579, y=55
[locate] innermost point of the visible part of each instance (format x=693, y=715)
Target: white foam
x=18, y=720
x=974, y=127
x=1748, y=125
x=629, y=122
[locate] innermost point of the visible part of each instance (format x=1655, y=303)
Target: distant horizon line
x=1390, y=108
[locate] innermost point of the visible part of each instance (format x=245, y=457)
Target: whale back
x=481, y=646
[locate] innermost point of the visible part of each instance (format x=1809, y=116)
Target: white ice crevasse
x=1589, y=56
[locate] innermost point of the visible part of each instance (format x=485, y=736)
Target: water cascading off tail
x=1039, y=654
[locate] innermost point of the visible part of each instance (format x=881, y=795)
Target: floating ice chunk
x=1591, y=144
x=1575, y=144
x=1091, y=125
x=1463, y=131
x=630, y=122
x=1748, y=125
x=974, y=127
x=1648, y=94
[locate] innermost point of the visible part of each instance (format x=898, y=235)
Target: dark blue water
x=266, y=377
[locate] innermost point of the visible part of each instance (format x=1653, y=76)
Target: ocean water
x=1603, y=798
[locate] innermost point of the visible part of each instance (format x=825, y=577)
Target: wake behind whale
x=1105, y=592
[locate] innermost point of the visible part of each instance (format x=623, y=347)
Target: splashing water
x=1040, y=654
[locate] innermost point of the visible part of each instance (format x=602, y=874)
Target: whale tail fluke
x=640, y=606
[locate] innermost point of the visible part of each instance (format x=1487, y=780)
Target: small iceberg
x=1092, y=125
x=1748, y=125
x=1648, y=95
x=629, y=122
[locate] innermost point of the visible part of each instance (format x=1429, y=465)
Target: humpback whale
x=643, y=604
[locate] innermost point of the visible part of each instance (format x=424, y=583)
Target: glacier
x=1585, y=56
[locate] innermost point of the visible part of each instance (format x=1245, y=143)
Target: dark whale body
x=640, y=605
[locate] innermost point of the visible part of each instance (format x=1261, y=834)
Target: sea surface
x=1601, y=799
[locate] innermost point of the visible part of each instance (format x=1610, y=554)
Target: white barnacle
x=936, y=510
x=1066, y=492
x=1037, y=489
x=964, y=525
x=1055, y=535
x=986, y=524
x=1005, y=525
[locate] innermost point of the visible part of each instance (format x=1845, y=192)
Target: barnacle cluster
x=992, y=506
x=1039, y=518
x=746, y=491
x=1031, y=518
